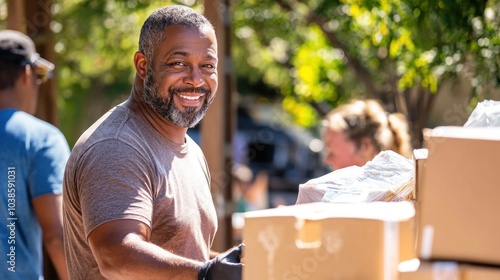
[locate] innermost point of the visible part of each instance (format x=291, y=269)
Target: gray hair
x=153, y=29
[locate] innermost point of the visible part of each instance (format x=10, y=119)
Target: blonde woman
x=355, y=132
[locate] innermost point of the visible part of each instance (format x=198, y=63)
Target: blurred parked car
x=289, y=155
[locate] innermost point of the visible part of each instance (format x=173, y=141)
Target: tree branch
x=361, y=72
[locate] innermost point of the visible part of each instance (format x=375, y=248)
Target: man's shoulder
x=106, y=126
x=118, y=126
x=24, y=125
x=23, y=119
x=192, y=144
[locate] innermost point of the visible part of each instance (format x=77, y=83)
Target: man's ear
x=26, y=74
x=141, y=64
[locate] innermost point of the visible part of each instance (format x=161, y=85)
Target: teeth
x=190, y=97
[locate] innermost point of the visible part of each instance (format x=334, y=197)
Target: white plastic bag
x=486, y=114
x=388, y=177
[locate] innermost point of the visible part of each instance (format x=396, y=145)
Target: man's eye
x=210, y=67
x=176, y=63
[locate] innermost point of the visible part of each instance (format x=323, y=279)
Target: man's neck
x=8, y=99
x=170, y=131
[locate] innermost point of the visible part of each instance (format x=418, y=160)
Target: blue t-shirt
x=33, y=154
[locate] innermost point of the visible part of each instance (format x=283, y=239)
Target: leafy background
x=307, y=56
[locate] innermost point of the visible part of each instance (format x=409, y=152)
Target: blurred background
x=283, y=65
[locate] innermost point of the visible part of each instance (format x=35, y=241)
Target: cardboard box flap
x=419, y=154
x=383, y=211
x=480, y=133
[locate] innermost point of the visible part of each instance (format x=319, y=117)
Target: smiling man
x=136, y=188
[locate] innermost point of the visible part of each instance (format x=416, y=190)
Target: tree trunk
x=218, y=126
x=38, y=18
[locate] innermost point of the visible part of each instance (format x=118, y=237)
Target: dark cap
x=16, y=47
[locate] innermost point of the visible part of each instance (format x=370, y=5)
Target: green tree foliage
x=312, y=54
x=319, y=53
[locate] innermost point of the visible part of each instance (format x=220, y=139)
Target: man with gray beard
x=137, y=202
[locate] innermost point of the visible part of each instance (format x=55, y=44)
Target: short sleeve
x=114, y=182
x=47, y=165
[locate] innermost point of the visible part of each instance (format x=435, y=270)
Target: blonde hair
x=367, y=118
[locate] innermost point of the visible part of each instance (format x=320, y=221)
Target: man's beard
x=165, y=106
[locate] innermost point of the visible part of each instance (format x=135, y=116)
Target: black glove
x=225, y=266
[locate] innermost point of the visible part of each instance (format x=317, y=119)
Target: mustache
x=177, y=90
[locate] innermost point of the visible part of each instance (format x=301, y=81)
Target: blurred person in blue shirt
x=33, y=154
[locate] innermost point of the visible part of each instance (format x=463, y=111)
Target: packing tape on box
x=309, y=234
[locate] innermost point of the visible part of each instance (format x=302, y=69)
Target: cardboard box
x=328, y=241
x=448, y=270
x=459, y=199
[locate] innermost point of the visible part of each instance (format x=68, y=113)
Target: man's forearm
x=138, y=259
x=55, y=250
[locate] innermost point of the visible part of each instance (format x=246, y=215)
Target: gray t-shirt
x=122, y=168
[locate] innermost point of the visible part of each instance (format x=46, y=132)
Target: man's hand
x=225, y=266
